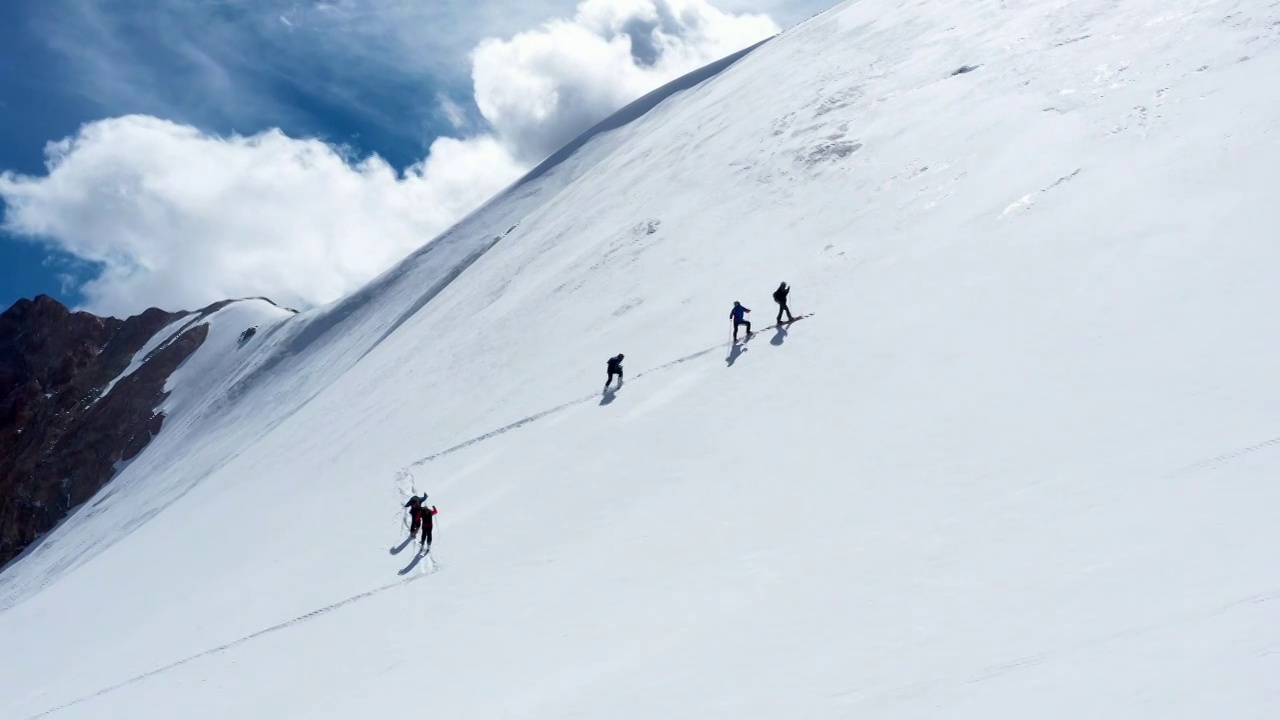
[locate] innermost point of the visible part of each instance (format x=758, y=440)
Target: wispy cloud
x=227, y=65
x=246, y=66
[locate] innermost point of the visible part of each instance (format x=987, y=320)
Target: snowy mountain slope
x=1018, y=462
x=301, y=357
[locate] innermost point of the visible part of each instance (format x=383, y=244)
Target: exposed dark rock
x=60, y=443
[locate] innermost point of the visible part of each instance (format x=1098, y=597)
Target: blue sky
x=27, y=80
x=225, y=73
x=370, y=77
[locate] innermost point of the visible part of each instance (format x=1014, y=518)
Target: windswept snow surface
x=1020, y=463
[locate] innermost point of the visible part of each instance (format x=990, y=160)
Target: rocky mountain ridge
x=76, y=401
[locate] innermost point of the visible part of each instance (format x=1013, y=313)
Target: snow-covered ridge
x=1019, y=462
x=196, y=384
x=159, y=340
x=244, y=310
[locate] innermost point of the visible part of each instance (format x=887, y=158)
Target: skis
x=775, y=326
x=797, y=318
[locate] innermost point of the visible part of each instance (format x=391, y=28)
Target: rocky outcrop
x=60, y=442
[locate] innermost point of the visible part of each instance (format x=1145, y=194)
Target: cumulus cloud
x=179, y=218
x=542, y=87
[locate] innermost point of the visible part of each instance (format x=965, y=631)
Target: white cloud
x=542, y=87
x=452, y=112
x=180, y=218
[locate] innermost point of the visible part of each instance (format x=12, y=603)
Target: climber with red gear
x=422, y=517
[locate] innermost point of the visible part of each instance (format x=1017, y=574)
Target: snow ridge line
x=564, y=406
x=234, y=643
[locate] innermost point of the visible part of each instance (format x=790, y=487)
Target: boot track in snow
x=564, y=406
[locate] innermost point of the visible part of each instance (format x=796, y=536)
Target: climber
x=414, y=506
x=739, y=317
x=426, y=514
x=614, y=368
x=780, y=297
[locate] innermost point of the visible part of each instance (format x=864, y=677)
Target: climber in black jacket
x=780, y=297
x=614, y=369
